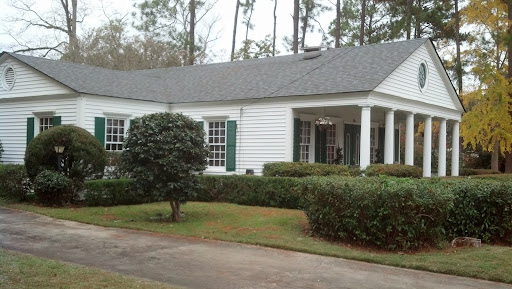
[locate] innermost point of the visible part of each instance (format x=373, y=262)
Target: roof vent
x=312, y=52
x=8, y=78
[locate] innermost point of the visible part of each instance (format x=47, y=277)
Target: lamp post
x=59, y=150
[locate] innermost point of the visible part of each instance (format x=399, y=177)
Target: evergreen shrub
x=394, y=170
x=113, y=192
x=53, y=188
x=298, y=169
x=14, y=184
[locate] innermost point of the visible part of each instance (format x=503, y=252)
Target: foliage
x=394, y=170
x=481, y=209
x=52, y=188
x=84, y=157
x=250, y=190
x=1, y=149
x=297, y=169
x=115, y=192
x=253, y=49
x=472, y=172
x=387, y=213
x=14, y=183
x=162, y=151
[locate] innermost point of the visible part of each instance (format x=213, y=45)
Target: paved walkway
x=195, y=263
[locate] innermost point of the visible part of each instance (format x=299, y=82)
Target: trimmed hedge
x=53, y=188
x=250, y=190
x=114, y=192
x=297, y=169
x=394, y=170
x=474, y=172
x=387, y=213
x=14, y=183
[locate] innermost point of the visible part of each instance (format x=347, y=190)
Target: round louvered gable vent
x=8, y=78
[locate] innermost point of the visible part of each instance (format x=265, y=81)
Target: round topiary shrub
x=52, y=188
x=83, y=157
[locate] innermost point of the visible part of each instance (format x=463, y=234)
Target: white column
x=455, y=149
x=364, y=151
x=409, y=139
x=288, y=152
x=441, y=165
x=389, y=140
x=427, y=147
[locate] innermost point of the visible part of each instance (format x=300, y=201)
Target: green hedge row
x=296, y=169
x=114, y=192
x=14, y=183
x=394, y=170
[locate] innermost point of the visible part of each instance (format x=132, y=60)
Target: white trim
x=111, y=114
x=425, y=86
x=47, y=113
x=215, y=118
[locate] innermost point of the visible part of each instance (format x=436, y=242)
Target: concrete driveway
x=196, y=263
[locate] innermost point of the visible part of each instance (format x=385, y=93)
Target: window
x=373, y=145
x=305, y=140
x=331, y=143
x=45, y=123
x=115, y=134
x=217, y=143
x=348, y=149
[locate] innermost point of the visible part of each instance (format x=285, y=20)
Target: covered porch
x=369, y=134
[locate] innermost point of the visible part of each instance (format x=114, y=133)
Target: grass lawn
x=25, y=271
x=282, y=228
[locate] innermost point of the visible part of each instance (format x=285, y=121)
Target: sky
x=224, y=9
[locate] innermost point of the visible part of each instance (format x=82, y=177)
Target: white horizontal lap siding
x=102, y=106
x=30, y=82
x=403, y=82
x=13, y=122
x=261, y=130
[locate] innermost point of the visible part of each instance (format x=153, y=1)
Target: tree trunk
x=495, y=156
x=71, y=13
x=305, y=24
x=191, y=44
x=409, y=18
x=249, y=21
x=363, y=18
x=417, y=30
x=458, y=68
x=508, y=156
x=275, y=22
x=175, y=210
x=338, y=25
x=234, y=30
x=296, y=26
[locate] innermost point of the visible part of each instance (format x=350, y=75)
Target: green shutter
x=99, y=129
x=201, y=123
x=397, y=144
x=382, y=135
x=57, y=120
x=30, y=129
x=231, y=146
x=296, y=139
x=320, y=146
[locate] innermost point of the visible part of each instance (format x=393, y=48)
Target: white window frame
x=305, y=141
x=220, y=167
x=118, y=134
x=332, y=129
x=39, y=116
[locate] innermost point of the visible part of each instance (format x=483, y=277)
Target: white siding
x=29, y=82
x=101, y=106
x=13, y=121
x=403, y=82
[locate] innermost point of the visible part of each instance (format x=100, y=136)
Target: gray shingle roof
x=349, y=69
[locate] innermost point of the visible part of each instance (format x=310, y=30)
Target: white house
x=253, y=111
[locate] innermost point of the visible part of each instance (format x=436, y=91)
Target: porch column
x=364, y=158
x=455, y=149
x=389, y=140
x=441, y=167
x=427, y=148
x=409, y=139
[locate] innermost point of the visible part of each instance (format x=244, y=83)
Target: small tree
x=162, y=152
x=83, y=157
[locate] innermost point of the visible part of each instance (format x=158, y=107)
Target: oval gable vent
x=8, y=78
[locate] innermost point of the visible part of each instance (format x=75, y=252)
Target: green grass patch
x=25, y=271
x=281, y=228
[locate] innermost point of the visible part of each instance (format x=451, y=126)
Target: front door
x=352, y=140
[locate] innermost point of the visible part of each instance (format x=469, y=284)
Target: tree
x=247, y=10
x=309, y=12
x=109, y=46
x=62, y=21
x=253, y=49
x=162, y=152
x=274, y=35
x=295, y=42
x=363, y=20
x=177, y=22
x=337, y=28
x=237, y=7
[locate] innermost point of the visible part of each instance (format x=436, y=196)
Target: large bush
x=52, y=188
x=14, y=183
x=161, y=153
x=387, y=213
x=84, y=156
x=115, y=192
x=251, y=191
x=297, y=169
x=394, y=170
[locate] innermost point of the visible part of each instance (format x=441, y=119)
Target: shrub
x=161, y=153
x=387, y=213
x=473, y=172
x=482, y=208
x=1, y=149
x=84, y=156
x=250, y=190
x=114, y=192
x=297, y=169
x=394, y=170
x=14, y=183
x=52, y=188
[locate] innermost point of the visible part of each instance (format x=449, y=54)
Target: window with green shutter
x=30, y=129
x=296, y=139
x=231, y=146
x=99, y=129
